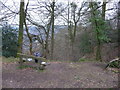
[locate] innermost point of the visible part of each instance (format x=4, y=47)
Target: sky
x=14, y=5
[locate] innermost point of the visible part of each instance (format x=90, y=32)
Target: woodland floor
x=59, y=75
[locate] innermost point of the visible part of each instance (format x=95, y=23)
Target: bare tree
x=73, y=19
x=118, y=25
x=28, y=34
x=21, y=23
x=47, y=25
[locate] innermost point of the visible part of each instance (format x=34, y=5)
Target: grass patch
x=74, y=61
x=41, y=70
x=86, y=60
x=28, y=66
x=10, y=59
x=25, y=66
x=64, y=61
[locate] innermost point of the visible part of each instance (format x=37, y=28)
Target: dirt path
x=59, y=75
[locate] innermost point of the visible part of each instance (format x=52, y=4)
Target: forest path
x=59, y=75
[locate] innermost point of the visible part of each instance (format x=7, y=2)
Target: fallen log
x=112, y=61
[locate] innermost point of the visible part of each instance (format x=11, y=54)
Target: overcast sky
x=14, y=5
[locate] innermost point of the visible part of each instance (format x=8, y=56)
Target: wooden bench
x=40, y=66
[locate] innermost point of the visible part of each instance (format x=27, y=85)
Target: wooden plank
x=31, y=56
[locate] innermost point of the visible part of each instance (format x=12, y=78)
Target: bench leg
x=21, y=61
x=41, y=67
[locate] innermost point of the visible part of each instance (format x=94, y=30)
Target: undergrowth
x=10, y=59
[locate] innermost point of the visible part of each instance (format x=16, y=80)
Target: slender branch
x=8, y=8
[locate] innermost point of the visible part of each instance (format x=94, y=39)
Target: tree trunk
x=52, y=38
x=69, y=31
x=118, y=24
x=46, y=47
x=118, y=27
x=29, y=37
x=98, y=50
x=21, y=21
x=103, y=9
x=46, y=42
x=75, y=27
x=71, y=34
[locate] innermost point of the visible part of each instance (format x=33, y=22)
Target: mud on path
x=59, y=75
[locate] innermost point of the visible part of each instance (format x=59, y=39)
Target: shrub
x=9, y=41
